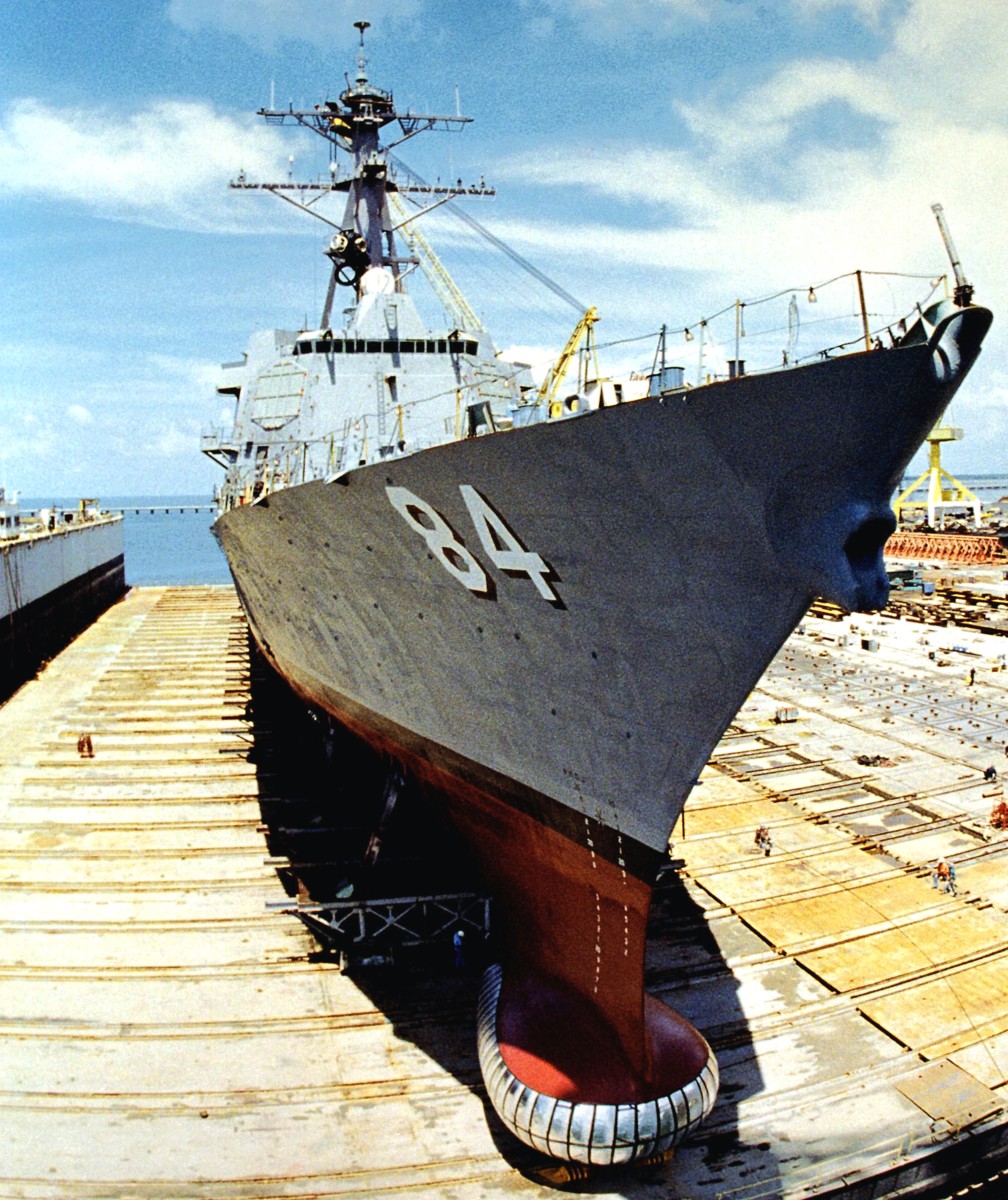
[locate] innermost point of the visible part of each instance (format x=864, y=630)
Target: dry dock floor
x=165, y=1034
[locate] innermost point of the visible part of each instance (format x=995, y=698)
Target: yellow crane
x=939, y=497
x=584, y=331
x=445, y=288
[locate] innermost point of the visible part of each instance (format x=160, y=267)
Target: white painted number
x=441, y=539
x=499, y=541
x=505, y=551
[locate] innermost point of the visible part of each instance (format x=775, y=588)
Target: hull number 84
x=499, y=541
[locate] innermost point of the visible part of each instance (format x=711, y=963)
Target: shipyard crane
x=939, y=497
x=584, y=332
x=956, y=495
x=445, y=288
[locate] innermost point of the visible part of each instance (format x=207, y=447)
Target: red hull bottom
x=555, y=1042
x=574, y=1020
x=599, y=1134
x=572, y=1024
x=579, y=1062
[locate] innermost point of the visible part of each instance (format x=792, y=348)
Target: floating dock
x=167, y=1031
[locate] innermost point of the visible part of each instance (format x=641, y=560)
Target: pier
x=139, y=510
x=149, y=509
x=170, y=1027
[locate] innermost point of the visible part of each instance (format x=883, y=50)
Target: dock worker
x=458, y=941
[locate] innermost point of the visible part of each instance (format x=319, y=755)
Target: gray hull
x=681, y=538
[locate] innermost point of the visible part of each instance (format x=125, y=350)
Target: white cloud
x=610, y=18
x=953, y=57
x=192, y=375
x=870, y=11
x=603, y=18
x=754, y=197
x=173, y=441
x=761, y=122
x=761, y=198
x=267, y=22
x=29, y=447
x=151, y=446
x=539, y=359
x=167, y=165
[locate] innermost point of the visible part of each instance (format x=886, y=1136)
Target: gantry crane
x=939, y=497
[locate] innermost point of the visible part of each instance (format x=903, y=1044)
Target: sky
x=659, y=159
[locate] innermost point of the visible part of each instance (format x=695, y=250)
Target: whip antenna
x=963, y=294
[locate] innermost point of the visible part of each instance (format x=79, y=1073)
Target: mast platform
x=167, y=1031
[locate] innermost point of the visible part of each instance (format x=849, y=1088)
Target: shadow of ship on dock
x=324, y=801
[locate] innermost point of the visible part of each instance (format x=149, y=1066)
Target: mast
x=368, y=108
x=352, y=125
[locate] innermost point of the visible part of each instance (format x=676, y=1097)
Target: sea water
x=166, y=539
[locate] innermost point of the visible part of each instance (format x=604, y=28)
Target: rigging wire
x=494, y=240
x=490, y=275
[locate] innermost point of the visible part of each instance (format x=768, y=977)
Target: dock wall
x=49, y=618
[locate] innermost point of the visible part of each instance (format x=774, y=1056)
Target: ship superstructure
x=525, y=606
x=317, y=402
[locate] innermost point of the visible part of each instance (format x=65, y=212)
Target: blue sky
x=657, y=159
